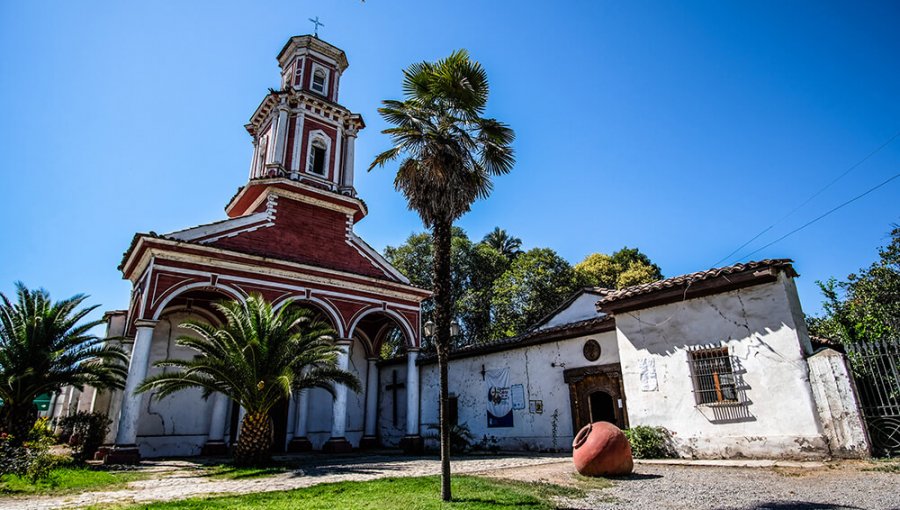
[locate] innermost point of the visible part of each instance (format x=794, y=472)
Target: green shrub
x=31, y=460
x=84, y=432
x=650, y=442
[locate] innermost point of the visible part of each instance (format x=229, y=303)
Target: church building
x=289, y=236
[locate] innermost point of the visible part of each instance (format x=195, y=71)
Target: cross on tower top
x=315, y=21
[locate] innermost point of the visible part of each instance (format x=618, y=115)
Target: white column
x=349, y=154
x=291, y=415
x=339, y=418
x=371, y=398
x=336, y=178
x=280, y=135
x=217, y=420
x=412, y=393
x=302, y=412
x=137, y=372
x=298, y=156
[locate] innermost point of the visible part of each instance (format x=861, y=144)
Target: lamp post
x=429, y=329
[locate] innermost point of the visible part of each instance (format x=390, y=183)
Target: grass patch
x=591, y=482
x=885, y=466
x=230, y=472
x=423, y=493
x=68, y=479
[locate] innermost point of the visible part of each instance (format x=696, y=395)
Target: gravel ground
x=652, y=486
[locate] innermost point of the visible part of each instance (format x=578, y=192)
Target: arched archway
x=202, y=293
x=181, y=423
x=328, y=312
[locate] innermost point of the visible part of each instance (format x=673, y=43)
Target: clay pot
x=601, y=449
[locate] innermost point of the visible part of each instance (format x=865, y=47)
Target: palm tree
x=506, y=244
x=450, y=152
x=45, y=346
x=257, y=359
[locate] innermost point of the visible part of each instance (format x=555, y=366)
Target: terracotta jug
x=601, y=449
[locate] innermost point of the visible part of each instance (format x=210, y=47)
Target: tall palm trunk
x=442, y=312
x=254, y=446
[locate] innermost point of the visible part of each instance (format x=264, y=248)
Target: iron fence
x=876, y=370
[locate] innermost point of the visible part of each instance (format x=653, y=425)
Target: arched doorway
x=388, y=386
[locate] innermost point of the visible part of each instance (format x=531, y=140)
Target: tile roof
x=529, y=338
x=686, y=280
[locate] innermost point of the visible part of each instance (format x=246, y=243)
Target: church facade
x=720, y=358
x=289, y=236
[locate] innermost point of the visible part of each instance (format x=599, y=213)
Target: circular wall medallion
x=591, y=350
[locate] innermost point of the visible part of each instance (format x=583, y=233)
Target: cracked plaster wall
x=529, y=366
x=759, y=325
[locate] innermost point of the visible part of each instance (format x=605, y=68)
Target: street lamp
x=429, y=329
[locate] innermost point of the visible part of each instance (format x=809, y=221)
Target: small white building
x=720, y=358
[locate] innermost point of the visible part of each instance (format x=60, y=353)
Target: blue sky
x=680, y=128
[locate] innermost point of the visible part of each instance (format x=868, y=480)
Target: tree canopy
x=866, y=306
x=623, y=268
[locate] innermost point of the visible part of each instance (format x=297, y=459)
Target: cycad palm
x=44, y=346
x=450, y=152
x=257, y=358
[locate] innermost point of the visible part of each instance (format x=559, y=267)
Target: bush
x=84, y=432
x=31, y=460
x=460, y=436
x=650, y=442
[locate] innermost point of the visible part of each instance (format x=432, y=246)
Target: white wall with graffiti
x=515, y=399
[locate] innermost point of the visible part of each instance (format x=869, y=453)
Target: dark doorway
x=602, y=407
x=279, y=415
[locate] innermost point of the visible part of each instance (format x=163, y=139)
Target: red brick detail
x=306, y=234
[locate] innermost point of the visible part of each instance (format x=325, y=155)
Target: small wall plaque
x=591, y=350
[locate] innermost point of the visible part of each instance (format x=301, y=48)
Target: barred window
x=713, y=374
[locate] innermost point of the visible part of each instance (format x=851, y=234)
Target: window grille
x=713, y=374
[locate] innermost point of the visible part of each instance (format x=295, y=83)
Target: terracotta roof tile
x=686, y=280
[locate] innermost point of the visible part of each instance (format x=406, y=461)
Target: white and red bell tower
x=300, y=131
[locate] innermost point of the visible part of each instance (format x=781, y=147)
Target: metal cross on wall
x=393, y=388
x=317, y=24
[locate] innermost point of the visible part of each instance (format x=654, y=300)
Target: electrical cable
x=854, y=199
x=808, y=200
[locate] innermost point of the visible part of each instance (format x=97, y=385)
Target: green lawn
x=470, y=493
x=68, y=479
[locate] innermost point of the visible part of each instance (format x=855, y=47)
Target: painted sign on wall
x=499, y=402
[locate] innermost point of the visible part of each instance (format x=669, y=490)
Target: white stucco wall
x=836, y=401
x=582, y=308
x=758, y=325
x=389, y=432
x=530, y=366
x=178, y=424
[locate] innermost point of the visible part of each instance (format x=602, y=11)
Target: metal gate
x=876, y=369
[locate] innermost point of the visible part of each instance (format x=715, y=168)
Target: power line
x=854, y=199
x=808, y=200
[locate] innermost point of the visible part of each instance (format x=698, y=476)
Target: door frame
x=583, y=381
